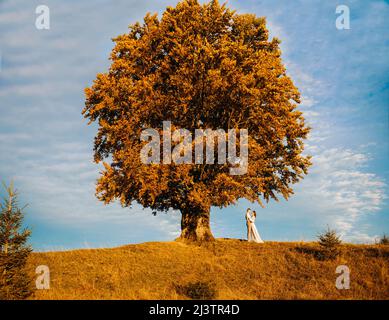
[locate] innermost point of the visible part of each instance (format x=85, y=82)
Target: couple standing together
x=252, y=232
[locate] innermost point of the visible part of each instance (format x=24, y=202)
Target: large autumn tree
x=199, y=66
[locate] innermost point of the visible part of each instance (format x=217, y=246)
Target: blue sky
x=46, y=145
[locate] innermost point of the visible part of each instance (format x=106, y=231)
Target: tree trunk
x=195, y=226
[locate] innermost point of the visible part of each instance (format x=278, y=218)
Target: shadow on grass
x=197, y=290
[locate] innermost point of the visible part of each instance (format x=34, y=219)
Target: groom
x=249, y=221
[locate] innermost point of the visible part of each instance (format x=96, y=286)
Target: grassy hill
x=231, y=269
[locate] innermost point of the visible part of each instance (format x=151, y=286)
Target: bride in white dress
x=252, y=232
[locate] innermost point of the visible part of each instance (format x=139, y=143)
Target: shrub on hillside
x=329, y=242
x=384, y=240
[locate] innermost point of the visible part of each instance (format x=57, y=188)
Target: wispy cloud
x=342, y=190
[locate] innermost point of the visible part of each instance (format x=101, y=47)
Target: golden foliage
x=199, y=66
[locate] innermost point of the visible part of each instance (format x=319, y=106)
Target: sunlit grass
x=237, y=269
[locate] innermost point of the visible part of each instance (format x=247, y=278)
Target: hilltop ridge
x=231, y=269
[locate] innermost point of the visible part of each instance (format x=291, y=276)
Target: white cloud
x=341, y=192
x=307, y=102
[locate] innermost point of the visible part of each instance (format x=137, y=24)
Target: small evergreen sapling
x=329, y=241
x=15, y=282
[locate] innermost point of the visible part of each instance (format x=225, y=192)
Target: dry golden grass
x=238, y=269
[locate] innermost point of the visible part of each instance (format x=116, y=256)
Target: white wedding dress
x=253, y=234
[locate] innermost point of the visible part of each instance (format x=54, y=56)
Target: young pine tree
x=329, y=241
x=15, y=282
